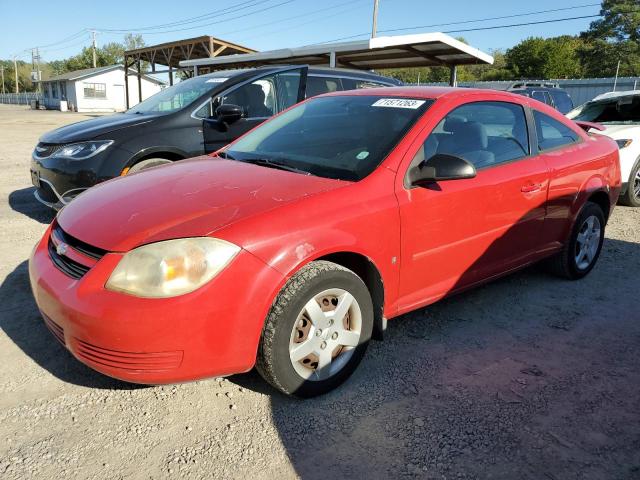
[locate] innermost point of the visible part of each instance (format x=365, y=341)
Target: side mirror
x=229, y=113
x=441, y=167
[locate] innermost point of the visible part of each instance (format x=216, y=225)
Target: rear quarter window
x=552, y=133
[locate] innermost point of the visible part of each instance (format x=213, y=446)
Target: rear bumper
x=213, y=331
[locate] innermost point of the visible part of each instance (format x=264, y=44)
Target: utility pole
x=93, y=42
x=615, y=82
x=374, y=27
x=37, y=58
x=15, y=69
x=2, y=73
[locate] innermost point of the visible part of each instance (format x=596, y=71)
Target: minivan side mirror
x=229, y=113
x=441, y=167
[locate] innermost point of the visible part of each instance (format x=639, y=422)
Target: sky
x=270, y=24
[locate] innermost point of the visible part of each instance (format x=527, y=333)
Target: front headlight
x=82, y=150
x=624, y=143
x=171, y=268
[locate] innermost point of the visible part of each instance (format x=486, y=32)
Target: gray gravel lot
x=530, y=377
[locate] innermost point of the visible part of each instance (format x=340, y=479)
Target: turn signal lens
x=171, y=268
x=623, y=143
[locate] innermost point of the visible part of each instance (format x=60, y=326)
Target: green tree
x=600, y=58
x=537, y=58
x=620, y=21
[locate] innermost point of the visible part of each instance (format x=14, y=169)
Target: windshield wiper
x=225, y=155
x=267, y=162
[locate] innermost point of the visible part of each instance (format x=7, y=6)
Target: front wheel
x=632, y=197
x=581, y=252
x=317, y=330
x=148, y=163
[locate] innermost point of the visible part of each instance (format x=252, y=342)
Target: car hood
x=621, y=131
x=190, y=198
x=89, y=129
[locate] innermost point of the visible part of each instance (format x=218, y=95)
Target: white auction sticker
x=217, y=80
x=398, y=103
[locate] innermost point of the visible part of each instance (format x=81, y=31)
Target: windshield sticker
x=217, y=80
x=362, y=155
x=398, y=103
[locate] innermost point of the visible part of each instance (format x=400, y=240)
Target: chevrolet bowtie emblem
x=61, y=249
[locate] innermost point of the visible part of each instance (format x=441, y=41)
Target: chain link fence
x=23, y=98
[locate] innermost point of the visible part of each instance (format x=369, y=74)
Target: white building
x=98, y=89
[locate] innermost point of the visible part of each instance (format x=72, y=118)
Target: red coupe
x=289, y=249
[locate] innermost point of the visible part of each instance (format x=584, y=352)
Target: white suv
x=619, y=112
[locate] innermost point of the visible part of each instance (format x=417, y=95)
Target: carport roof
x=419, y=50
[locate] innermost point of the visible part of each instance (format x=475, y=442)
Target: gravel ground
x=530, y=377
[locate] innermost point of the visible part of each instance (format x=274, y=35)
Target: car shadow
x=23, y=201
x=21, y=322
x=410, y=409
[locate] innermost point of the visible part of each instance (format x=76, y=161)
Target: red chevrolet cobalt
x=289, y=249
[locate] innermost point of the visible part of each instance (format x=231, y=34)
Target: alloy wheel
x=588, y=242
x=325, y=334
x=636, y=184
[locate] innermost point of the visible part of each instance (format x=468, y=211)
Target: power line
x=223, y=20
x=199, y=18
x=294, y=17
x=388, y=30
x=522, y=24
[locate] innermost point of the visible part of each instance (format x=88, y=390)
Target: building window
x=95, y=90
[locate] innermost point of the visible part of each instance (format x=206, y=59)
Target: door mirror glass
x=441, y=167
x=229, y=113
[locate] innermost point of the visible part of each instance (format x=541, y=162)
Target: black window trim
x=531, y=133
x=248, y=81
x=559, y=147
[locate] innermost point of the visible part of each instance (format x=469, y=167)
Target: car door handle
x=532, y=187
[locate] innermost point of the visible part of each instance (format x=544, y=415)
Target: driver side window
x=258, y=98
x=484, y=133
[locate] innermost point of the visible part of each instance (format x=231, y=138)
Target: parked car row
x=288, y=248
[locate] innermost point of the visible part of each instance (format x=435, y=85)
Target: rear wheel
x=581, y=252
x=317, y=330
x=148, y=163
x=632, y=197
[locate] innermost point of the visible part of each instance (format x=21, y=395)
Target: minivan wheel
x=632, y=197
x=317, y=330
x=148, y=163
x=580, y=254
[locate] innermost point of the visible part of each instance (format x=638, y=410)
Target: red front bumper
x=212, y=331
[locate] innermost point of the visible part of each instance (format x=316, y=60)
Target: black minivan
x=191, y=118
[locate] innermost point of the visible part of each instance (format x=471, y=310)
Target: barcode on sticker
x=398, y=103
x=217, y=80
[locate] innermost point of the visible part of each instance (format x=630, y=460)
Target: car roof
x=625, y=93
x=425, y=92
x=334, y=72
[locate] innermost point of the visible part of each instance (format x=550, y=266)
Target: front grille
x=131, y=361
x=56, y=329
x=82, y=247
x=44, y=150
x=65, y=264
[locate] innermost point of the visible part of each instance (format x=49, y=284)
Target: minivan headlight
x=172, y=267
x=82, y=150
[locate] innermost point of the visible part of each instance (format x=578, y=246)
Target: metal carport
x=419, y=50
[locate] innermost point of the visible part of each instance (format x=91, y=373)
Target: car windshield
x=342, y=137
x=621, y=110
x=178, y=96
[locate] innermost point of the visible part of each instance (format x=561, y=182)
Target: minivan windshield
x=617, y=110
x=178, y=96
x=343, y=137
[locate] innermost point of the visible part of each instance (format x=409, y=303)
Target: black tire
x=148, y=163
x=273, y=360
x=631, y=198
x=564, y=264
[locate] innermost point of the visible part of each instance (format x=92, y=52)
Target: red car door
x=459, y=232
